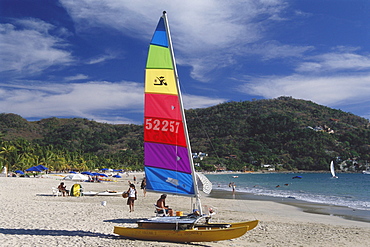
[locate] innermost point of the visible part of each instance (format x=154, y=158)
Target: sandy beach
x=32, y=216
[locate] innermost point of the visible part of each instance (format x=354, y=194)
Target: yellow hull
x=200, y=234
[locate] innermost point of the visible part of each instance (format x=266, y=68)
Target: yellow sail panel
x=160, y=81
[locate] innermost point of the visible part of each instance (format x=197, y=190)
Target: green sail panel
x=159, y=58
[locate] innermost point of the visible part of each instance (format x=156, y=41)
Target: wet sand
x=308, y=207
x=31, y=216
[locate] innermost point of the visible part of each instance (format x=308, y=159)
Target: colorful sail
x=167, y=160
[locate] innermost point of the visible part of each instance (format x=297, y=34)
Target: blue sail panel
x=167, y=181
x=160, y=36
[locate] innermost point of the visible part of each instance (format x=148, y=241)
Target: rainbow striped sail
x=167, y=155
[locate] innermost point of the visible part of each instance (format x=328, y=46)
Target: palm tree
x=7, y=152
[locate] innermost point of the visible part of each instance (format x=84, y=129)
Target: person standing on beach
x=143, y=186
x=232, y=185
x=132, y=196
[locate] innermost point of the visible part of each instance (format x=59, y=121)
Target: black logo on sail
x=159, y=81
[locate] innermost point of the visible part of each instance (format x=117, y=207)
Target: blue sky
x=86, y=58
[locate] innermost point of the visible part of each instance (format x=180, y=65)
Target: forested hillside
x=285, y=133
x=293, y=133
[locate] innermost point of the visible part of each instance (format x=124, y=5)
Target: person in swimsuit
x=161, y=203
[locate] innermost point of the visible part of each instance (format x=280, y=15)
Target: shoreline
x=304, y=206
x=286, y=172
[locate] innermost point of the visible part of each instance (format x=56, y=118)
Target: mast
x=196, y=190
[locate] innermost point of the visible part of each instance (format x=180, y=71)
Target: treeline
x=69, y=144
x=285, y=133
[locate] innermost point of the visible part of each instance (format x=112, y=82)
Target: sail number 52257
x=162, y=125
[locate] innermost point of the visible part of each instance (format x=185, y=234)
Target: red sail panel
x=165, y=131
x=162, y=106
x=163, y=123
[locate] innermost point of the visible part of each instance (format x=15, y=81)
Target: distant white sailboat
x=332, y=170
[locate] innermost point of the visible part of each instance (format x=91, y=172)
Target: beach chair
x=160, y=211
x=56, y=191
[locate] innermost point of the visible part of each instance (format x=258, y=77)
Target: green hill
x=293, y=133
x=284, y=133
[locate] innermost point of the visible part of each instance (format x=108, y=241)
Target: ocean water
x=348, y=190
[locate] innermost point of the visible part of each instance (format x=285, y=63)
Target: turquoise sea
x=351, y=190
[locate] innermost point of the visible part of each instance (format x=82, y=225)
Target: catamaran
x=168, y=159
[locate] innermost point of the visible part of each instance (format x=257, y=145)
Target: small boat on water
x=332, y=170
x=168, y=159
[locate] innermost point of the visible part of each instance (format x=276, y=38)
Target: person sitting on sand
x=161, y=203
x=62, y=188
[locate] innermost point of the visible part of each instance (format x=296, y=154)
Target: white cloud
x=92, y=100
x=330, y=91
x=35, y=24
x=207, y=34
x=339, y=79
x=334, y=62
x=102, y=58
x=76, y=77
x=274, y=49
x=81, y=100
x=195, y=101
x=29, y=48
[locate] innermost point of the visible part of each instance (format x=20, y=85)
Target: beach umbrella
x=104, y=169
x=116, y=176
x=99, y=174
x=73, y=172
x=34, y=169
x=76, y=177
x=42, y=168
x=19, y=171
x=88, y=173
